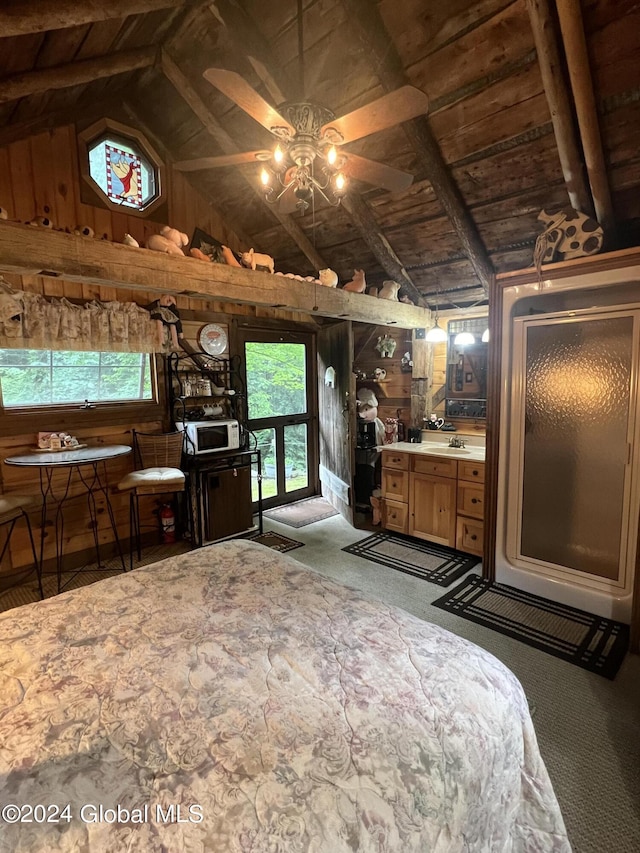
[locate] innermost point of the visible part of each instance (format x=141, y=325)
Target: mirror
x=466, y=389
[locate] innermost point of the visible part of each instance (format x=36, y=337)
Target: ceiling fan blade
x=240, y=92
x=403, y=104
x=372, y=172
x=222, y=160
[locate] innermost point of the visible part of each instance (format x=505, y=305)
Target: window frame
x=73, y=416
x=97, y=132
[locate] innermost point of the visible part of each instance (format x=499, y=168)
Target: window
x=56, y=377
x=120, y=167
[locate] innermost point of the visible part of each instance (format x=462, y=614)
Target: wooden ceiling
x=533, y=104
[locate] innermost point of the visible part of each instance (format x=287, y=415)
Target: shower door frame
x=599, y=271
x=623, y=584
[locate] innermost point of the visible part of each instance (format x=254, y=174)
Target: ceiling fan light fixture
x=265, y=178
x=278, y=155
x=332, y=156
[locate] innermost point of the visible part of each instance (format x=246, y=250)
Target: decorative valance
x=32, y=321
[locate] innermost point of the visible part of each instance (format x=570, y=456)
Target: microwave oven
x=210, y=436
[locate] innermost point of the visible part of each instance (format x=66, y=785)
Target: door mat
x=301, y=513
x=434, y=563
x=275, y=541
x=588, y=641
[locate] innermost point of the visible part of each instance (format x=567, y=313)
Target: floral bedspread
x=229, y=699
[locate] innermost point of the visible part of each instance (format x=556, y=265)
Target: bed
x=230, y=699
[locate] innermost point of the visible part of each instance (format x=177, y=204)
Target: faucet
x=454, y=441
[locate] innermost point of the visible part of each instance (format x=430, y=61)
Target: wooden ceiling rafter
x=184, y=88
x=365, y=19
x=75, y=73
x=575, y=49
x=557, y=93
x=248, y=39
x=21, y=17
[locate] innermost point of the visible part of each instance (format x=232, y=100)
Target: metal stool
x=12, y=508
x=160, y=456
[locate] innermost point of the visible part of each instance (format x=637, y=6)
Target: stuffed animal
x=357, y=283
x=128, y=240
x=253, y=259
x=568, y=234
x=386, y=346
x=169, y=240
x=196, y=253
x=389, y=290
x=328, y=278
x=84, y=231
x=229, y=257
x=167, y=317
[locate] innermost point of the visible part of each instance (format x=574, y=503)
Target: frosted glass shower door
x=573, y=415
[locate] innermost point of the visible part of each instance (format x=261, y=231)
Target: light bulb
x=464, y=339
x=265, y=178
x=332, y=155
x=278, y=154
x=436, y=334
x=340, y=181
x=485, y=336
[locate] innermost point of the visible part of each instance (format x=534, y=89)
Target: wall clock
x=213, y=339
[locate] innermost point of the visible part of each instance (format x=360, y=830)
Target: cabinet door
x=471, y=471
x=228, y=503
x=433, y=509
x=395, y=516
x=395, y=484
x=470, y=535
x=395, y=460
x=470, y=499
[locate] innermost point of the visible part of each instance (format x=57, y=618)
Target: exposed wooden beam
x=74, y=73
x=575, y=48
x=20, y=17
x=247, y=39
x=215, y=129
x=364, y=17
x=26, y=250
x=365, y=221
x=546, y=41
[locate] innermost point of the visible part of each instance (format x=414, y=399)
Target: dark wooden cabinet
x=220, y=495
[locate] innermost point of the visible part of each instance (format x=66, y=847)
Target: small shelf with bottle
x=203, y=387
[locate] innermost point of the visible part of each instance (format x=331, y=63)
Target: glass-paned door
x=280, y=381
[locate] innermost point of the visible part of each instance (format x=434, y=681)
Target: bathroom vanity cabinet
x=434, y=497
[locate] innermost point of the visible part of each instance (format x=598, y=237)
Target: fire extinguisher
x=167, y=523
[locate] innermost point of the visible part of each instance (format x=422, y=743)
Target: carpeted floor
x=583, y=639
x=301, y=513
x=434, y=563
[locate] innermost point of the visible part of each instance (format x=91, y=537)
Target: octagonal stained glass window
x=123, y=172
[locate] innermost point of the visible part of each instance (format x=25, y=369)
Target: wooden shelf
x=27, y=250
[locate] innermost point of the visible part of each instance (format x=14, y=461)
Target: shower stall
x=568, y=468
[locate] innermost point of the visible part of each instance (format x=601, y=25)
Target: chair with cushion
x=12, y=508
x=160, y=455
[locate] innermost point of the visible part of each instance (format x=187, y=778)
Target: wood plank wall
x=40, y=176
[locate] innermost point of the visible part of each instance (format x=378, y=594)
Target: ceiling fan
x=310, y=135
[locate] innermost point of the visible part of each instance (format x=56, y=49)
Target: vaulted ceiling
x=532, y=104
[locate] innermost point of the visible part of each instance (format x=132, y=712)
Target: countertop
x=470, y=453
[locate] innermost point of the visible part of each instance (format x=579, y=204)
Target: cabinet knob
x=475, y=473
x=474, y=500
x=394, y=485
x=474, y=537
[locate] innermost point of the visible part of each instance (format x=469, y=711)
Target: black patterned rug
x=588, y=641
x=434, y=563
x=275, y=541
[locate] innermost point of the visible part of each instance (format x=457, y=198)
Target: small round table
x=89, y=463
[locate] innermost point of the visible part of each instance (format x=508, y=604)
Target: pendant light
x=436, y=334
x=464, y=339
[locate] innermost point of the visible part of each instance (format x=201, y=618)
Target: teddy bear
x=389, y=290
x=328, y=278
x=169, y=240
